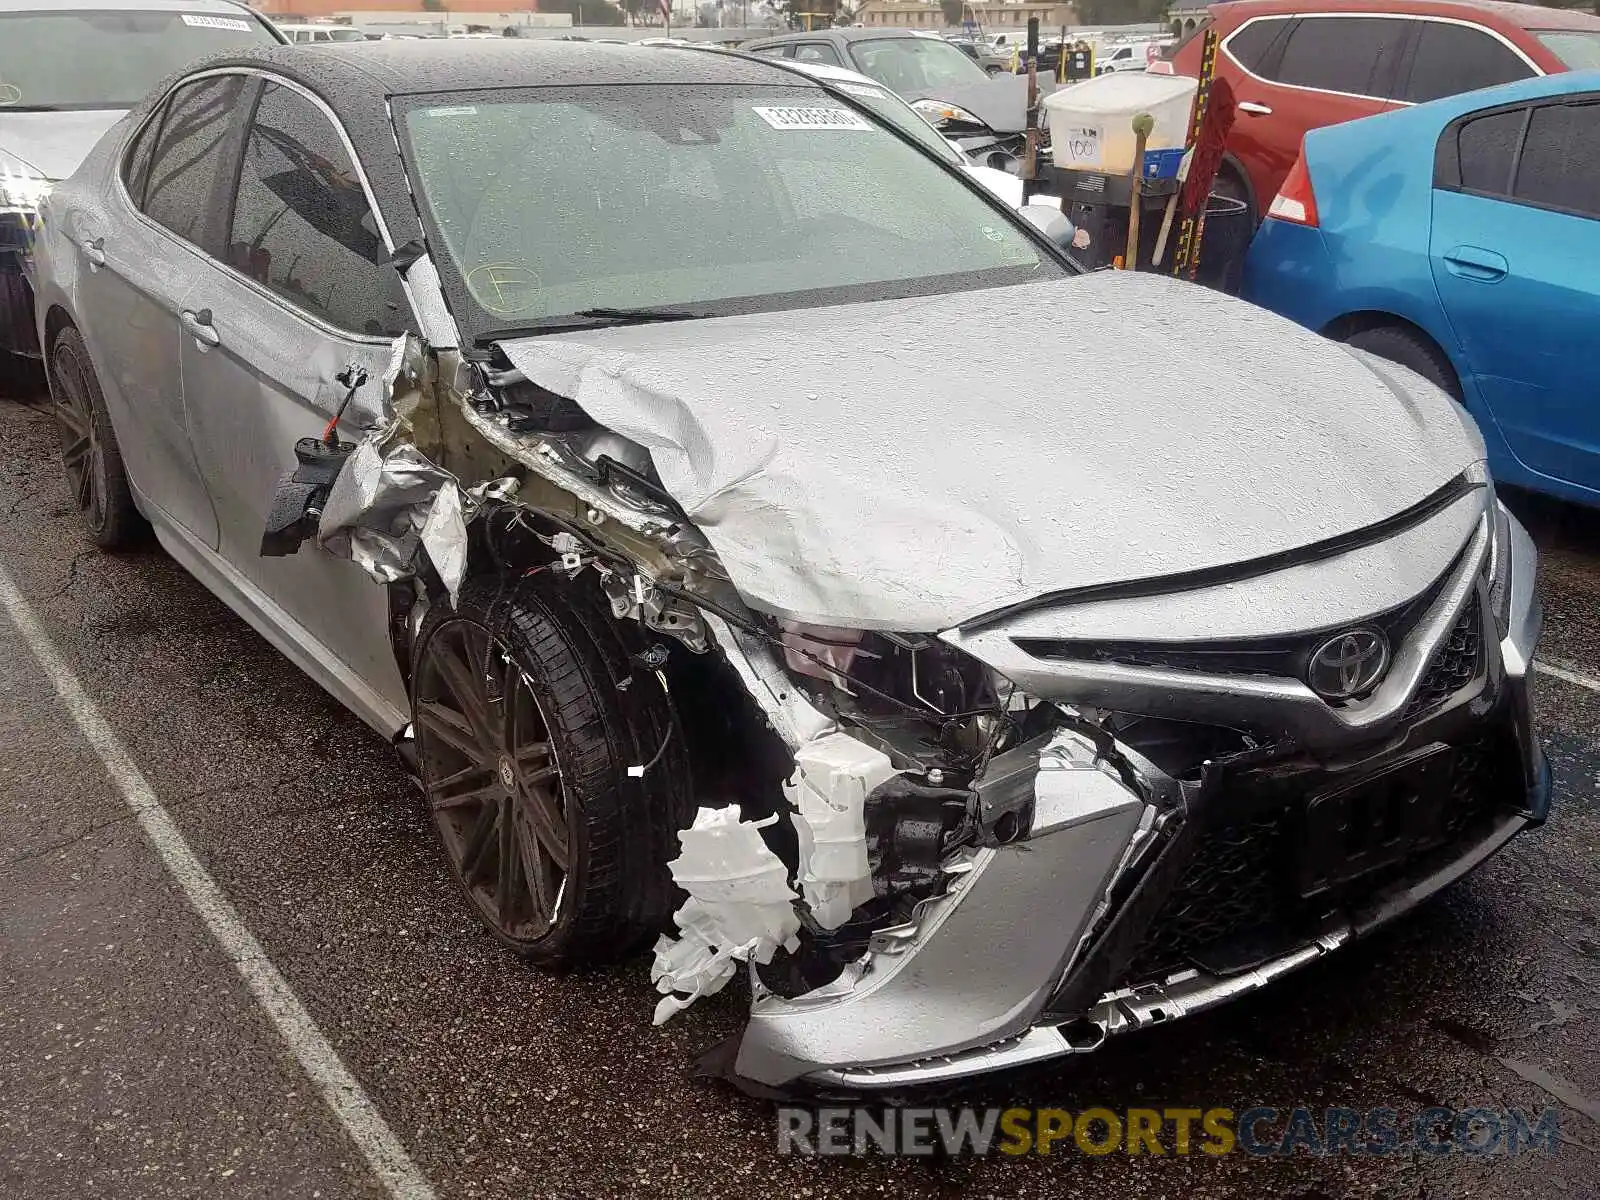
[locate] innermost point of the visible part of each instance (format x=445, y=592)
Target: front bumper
x=1051, y=944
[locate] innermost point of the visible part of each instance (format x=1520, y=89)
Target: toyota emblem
x=1348, y=665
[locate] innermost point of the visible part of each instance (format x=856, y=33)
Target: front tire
x=528, y=712
x=89, y=451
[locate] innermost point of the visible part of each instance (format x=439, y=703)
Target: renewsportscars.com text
x=1175, y=1131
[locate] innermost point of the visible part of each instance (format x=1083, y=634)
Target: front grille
x=1454, y=664
x=1239, y=888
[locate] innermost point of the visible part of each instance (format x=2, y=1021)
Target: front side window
x=1451, y=59
x=1559, y=168
x=301, y=223
x=914, y=64
x=92, y=59
x=186, y=162
x=552, y=201
x=1353, y=55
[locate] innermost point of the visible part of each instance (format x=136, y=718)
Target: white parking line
x=341, y=1092
x=1568, y=674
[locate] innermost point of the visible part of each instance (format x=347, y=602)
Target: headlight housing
x=940, y=113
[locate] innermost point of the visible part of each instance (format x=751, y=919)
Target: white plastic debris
x=740, y=908
x=833, y=776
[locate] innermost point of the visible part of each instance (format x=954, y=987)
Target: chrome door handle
x=200, y=328
x=1254, y=108
x=94, y=251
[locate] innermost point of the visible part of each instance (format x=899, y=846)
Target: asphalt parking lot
x=135, y=1062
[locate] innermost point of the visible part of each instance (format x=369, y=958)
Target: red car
x=1295, y=66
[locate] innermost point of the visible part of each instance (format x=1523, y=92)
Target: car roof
x=1524, y=16
x=198, y=7
x=401, y=67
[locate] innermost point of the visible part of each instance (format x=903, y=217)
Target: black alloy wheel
x=89, y=451
x=493, y=782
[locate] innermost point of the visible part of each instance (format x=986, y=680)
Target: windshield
x=717, y=199
x=107, y=59
x=1578, y=48
x=915, y=64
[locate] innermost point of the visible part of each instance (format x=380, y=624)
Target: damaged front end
x=942, y=852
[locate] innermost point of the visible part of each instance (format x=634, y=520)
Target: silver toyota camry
x=616, y=431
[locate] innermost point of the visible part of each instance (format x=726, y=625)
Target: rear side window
x=1355, y=55
x=302, y=226
x=1254, y=47
x=187, y=160
x=821, y=52
x=1451, y=59
x=1579, y=49
x=1559, y=167
x=1488, y=148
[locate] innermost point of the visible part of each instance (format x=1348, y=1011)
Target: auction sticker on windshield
x=813, y=118
x=202, y=22
x=1080, y=147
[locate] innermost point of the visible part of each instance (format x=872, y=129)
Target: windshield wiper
x=589, y=318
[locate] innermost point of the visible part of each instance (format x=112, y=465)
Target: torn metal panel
x=871, y=475
x=381, y=503
x=740, y=908
x=390, y=500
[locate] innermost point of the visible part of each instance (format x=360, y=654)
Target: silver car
x=572, y=413
x=69, y=70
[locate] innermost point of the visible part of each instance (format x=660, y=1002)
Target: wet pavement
x=134, y=1063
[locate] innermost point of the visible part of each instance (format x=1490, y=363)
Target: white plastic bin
x=1091, y=123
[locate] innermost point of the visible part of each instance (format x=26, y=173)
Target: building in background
x=928, y=14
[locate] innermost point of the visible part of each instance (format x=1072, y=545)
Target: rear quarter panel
x=1373, y=181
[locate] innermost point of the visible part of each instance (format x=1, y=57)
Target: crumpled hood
x=54, y=143
x=911, y=464
x=1000, y=102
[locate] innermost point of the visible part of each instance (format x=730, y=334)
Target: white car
x=320, y=34
x=1126, y=56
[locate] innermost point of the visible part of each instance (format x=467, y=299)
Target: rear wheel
x=524, y=740
x=89, y=451
x=1231, y=184
x=1410, y=349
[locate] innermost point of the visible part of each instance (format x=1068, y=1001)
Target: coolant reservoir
x=1091, y=123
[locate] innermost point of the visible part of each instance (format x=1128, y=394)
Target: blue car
x=1461, y=239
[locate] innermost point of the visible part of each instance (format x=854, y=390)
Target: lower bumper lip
x=1136, y=1009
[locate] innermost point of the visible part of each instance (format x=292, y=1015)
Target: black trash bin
x=1227, y=236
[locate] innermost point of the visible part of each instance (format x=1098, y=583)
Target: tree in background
x=953, y=10
x=432, y=5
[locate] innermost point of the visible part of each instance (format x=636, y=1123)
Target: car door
x=1514, y=245
x=142, y=255
x=1293, y=74
x=302, y=297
